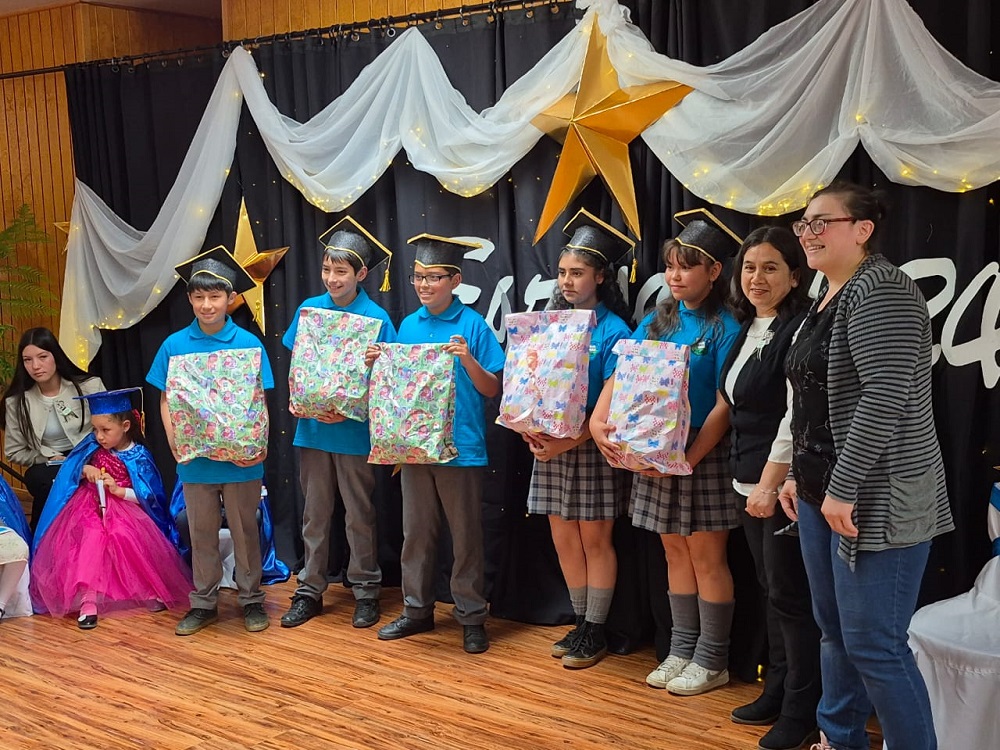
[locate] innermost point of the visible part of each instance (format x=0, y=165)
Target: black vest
x=760, y=399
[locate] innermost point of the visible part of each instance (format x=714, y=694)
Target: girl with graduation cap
x=571, y=482
x=103, y=538
x=692, y=514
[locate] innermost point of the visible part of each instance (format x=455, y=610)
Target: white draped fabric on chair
x=957, y=645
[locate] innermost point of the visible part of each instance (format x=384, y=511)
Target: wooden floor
x=132, y=683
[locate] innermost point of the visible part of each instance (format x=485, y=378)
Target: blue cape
x=11, y=512
x=146, y=483
x=274, y=570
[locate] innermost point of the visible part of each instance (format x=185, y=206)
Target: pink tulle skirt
x=118, y=562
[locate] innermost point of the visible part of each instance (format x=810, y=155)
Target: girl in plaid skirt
x=692, y=514
x=571, y=482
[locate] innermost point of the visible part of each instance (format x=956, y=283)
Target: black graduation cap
x=349, y=236
x=109, y=402
x=432, y=250
x=706, y=233
x=221, y=264
x=590, y=234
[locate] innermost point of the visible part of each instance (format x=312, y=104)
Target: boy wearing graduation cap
x=692, y=514
x=333, y=450
x=453, y=489
x=213, y=280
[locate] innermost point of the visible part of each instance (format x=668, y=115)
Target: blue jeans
x=864, y=655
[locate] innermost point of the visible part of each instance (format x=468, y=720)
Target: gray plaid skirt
x=578, y=485
x=702, y=501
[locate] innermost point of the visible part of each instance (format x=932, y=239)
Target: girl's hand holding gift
x=330, y=417
x=459, y=347
x=545, y=448
x=246, y=463
x=371, y=354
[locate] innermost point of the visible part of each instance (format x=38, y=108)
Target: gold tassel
x=635, y=265
x=386, y=286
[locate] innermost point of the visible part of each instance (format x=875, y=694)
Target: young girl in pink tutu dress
x=103, y=540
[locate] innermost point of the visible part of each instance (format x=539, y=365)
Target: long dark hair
x=667, y=318
x=134, y=432
x=22, y=382
x=608, y=291
x=861, y=203
x=787, y=244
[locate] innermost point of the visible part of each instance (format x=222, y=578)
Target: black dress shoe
x=404, y=627
x=303, y=609
x=789, y=734
x=474, y=639
x=764, y=710
x=366, y=613
x=86, y=622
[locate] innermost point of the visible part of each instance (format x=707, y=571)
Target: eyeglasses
x=432, y=278
x=816, y=226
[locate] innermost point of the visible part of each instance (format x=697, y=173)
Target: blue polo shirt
x=192, y=340
x=458, y=320
x=349, y=437
x=710, y=345
x=610, y=328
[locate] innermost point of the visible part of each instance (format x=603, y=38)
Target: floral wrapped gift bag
x=545, y=375
x=412, y=405
x=649, y=406
x=327, y=373
x=217, y=405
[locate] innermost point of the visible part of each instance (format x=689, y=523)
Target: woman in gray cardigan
x=870, y=491
x=40, y=414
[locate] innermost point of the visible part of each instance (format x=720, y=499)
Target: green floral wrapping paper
x=217, y=405
x=412, y=405
x=327, y=373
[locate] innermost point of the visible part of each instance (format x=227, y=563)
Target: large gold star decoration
x=258, y=264
x=595, y=125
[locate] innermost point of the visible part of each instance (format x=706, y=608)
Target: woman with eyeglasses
x=869, y=491
x=769, y=289
x=42, y=421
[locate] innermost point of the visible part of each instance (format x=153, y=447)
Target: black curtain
x=131, y=128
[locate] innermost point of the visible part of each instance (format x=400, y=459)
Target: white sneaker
x=668, y=670
x=695, y=680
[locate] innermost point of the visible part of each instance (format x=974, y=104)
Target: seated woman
x=39, y=412
x=14, y=537
x=104, y=538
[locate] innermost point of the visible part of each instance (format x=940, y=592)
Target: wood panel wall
x=246, y=19
x=36, y=156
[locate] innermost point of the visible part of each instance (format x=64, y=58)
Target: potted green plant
x=22, y=289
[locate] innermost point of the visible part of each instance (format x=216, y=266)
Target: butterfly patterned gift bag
x=649, y=406
x=545, y=374
x=217, y=405
x=327, y=373
x=411, y=405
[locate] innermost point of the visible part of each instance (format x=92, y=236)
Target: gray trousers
x=321, y=474
x=430, y=491
x=204, y=520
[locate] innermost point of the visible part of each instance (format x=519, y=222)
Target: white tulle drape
x=759, y=133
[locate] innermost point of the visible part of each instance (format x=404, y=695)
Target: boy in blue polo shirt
x=213, y=281
x=453, y=488
x=333, y=450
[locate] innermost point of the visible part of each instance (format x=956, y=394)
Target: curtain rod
x=387, y=25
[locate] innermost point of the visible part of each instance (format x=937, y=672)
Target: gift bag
x=412, y=405
x=327, y=373
x=545, y=376
x=217, y=405
x=649, y=406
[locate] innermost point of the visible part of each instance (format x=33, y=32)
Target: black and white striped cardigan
x=881, y=413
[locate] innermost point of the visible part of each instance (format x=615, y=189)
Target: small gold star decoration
x=595, y=126
x=258, y=264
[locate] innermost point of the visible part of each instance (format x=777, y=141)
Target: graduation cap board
x=219, y=263
x=704, y=232
x=432, y=250
x=109, y=402
x=349, y=236
x=592, y=235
